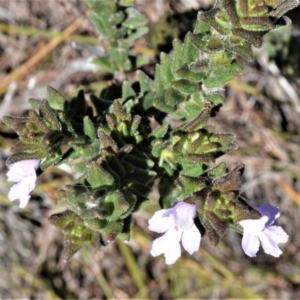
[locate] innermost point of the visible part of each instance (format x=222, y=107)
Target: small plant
x=118, y=154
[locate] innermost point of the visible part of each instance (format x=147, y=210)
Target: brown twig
x=29, y=64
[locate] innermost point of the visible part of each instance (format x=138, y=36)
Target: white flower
x=256, y=231
x=23, y=173
x=178, y=223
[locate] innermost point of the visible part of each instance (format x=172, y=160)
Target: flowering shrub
x=118, y=154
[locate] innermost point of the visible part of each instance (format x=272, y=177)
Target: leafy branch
x=114, y=149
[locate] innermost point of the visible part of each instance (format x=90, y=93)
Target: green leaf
x=194, y=169
x=186, y=86
x=243, y=49
x=166, y=70
x=103, y=7
x=116, y=204
x=35, y=103
x=15, y=157
x=56, y=100
x=135, y=124
x=231, y=181
x=177, y=46
x=198, y=40
x=105, y=63
x=158, y=83
x=189, y=51
x=17, y=124
x=214, y=44
x=131, y=199
x=146, y=83
x=76, y=233
x=201, y=27
x=116, y=18
x=97, y=21
x=159, y=103
x=137, y=34
x=127, y=91
x=89, y=128
x=215, y=98
x=160, y=131
x=70, y=155
x=234, y=68
x=210, y=18
x=112, y=230
x=218, y=80
x=191, y=184
x=217, y=171
x=127, y=2
x=117, y=34
x=134, y=18
x=47, y=162
x=107, y=142
x=49, y=116
x=186, y=73
x=80, y=167
x=119, y=55
x=95, y=224
x=221, y=58
x=98, y=178
x=173, y=97
x=198, y=123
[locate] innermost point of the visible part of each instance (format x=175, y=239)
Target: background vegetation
x=262, y=109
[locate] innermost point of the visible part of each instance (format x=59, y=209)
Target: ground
x=262, y=110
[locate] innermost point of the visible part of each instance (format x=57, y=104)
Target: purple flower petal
x=191, y=239
x=270, y=211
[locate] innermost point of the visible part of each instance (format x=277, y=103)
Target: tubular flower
x=178, y=224
x=261, y=231
x=24, y=174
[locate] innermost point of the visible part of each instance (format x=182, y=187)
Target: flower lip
x=21, y=169
x=178, y=225
x=262, y=231
x=23, y=173
x=182, y=214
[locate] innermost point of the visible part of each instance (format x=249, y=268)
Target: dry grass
x=263, y=110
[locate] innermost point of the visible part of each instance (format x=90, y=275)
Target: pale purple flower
x=261, y=231
x=24, y=174
x=178, y=224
